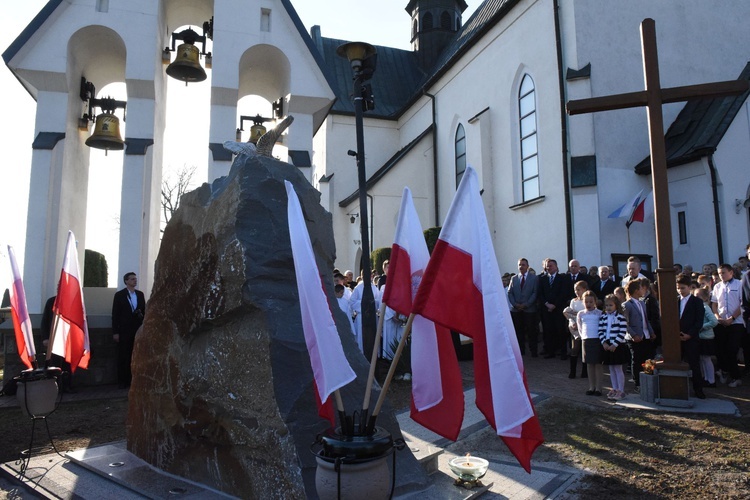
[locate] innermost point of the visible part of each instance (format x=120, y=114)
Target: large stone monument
x=222, y=386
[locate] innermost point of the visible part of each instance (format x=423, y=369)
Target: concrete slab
x=117, y=464
x=708, y=405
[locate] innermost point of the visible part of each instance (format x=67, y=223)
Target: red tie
x=523, y=280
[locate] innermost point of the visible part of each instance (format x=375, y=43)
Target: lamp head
x=356, y=53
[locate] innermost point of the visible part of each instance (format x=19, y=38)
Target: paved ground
x=548, y=378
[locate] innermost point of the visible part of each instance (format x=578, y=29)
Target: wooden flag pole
x=389, y=377
x=51, y=340
x=373, y=362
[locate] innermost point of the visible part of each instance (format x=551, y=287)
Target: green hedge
x=95, y=269
x=378, y=256
x=431, y=237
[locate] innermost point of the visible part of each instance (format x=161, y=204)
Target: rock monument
x=222, y=386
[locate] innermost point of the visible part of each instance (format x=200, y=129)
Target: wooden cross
x=653, y=98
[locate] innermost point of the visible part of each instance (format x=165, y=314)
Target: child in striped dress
x=612, y=330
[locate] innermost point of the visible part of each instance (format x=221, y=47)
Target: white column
x=223, y=128
x=57, y=199
x=140, y=202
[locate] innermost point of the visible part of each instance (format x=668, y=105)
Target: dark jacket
x=125, y=320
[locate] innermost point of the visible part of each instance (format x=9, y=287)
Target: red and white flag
x=331, y=369
x=462, y=290
x=70, y=334
x=437, y=391
x=20, y=314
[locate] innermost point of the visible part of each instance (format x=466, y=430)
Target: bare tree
x=172, y=188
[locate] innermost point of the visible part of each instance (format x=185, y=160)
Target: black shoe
x=699, y=394
x=572, y=375
x=564, y=357
x=706, y=384
x=597, y=393
x=590, y=393
x=549, y=356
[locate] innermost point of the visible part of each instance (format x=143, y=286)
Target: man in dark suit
x=128, y=308
x=523, y=307
x=691, y=322
x=574, y=271
x=554, y=292
x=604, y=286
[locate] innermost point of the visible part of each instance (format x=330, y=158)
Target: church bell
x=256, y=132
x=186, y=66
x=106, y=134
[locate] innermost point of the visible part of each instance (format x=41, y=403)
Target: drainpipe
x=372, y=221
x=715, y=195
x=564, y=131
x=434, y=156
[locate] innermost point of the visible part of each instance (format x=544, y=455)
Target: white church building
x=488, y=91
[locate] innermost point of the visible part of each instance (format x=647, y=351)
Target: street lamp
x=362, y=57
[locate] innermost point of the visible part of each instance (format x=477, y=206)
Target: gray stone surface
x=222, y=385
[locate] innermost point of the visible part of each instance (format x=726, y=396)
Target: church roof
x=483, y=19
x=398, y=81
x=396, y=77
x=699, y=128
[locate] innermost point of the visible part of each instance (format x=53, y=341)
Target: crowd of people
x=349, y=295
x=593, y=315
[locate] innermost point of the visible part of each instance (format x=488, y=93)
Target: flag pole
x=51, y=340
x=627, y=225
x=389, y=377
x=373, y=363
x=345, y=421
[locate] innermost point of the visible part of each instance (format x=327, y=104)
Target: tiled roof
x=398, y=81
x=396, y=78
x=698, y=129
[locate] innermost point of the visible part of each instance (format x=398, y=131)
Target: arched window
x=529, y=153
x=460, y=153
x=445, y=20
x=427, y=21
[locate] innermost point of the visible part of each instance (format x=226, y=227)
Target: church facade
x=487, y=91
x=494, y=97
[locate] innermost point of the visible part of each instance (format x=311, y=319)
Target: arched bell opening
x=97, y=104
x=264, y=86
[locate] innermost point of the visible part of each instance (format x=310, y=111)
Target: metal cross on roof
x=653, y=97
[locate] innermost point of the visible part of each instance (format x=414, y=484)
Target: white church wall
x=690, y=193
x=698, y=41
x=732, y=161
x=467, y=89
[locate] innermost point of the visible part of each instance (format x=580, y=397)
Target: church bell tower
x=433, y=25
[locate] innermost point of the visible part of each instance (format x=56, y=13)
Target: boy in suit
x=128, y=308
x=691, y=322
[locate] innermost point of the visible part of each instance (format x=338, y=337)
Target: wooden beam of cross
x=653, y=98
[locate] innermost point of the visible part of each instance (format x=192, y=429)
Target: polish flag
x=437, y=393
x=331, y=369
x=626, y=210
x=70, y=334
x=639, y=212
x=462, y=290
x=20, y=314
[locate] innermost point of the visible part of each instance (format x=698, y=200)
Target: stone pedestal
x=649, y=387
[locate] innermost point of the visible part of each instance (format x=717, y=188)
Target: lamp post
x=362, y=57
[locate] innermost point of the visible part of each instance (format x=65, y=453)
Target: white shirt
x=728, y=296
x=683, y=301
